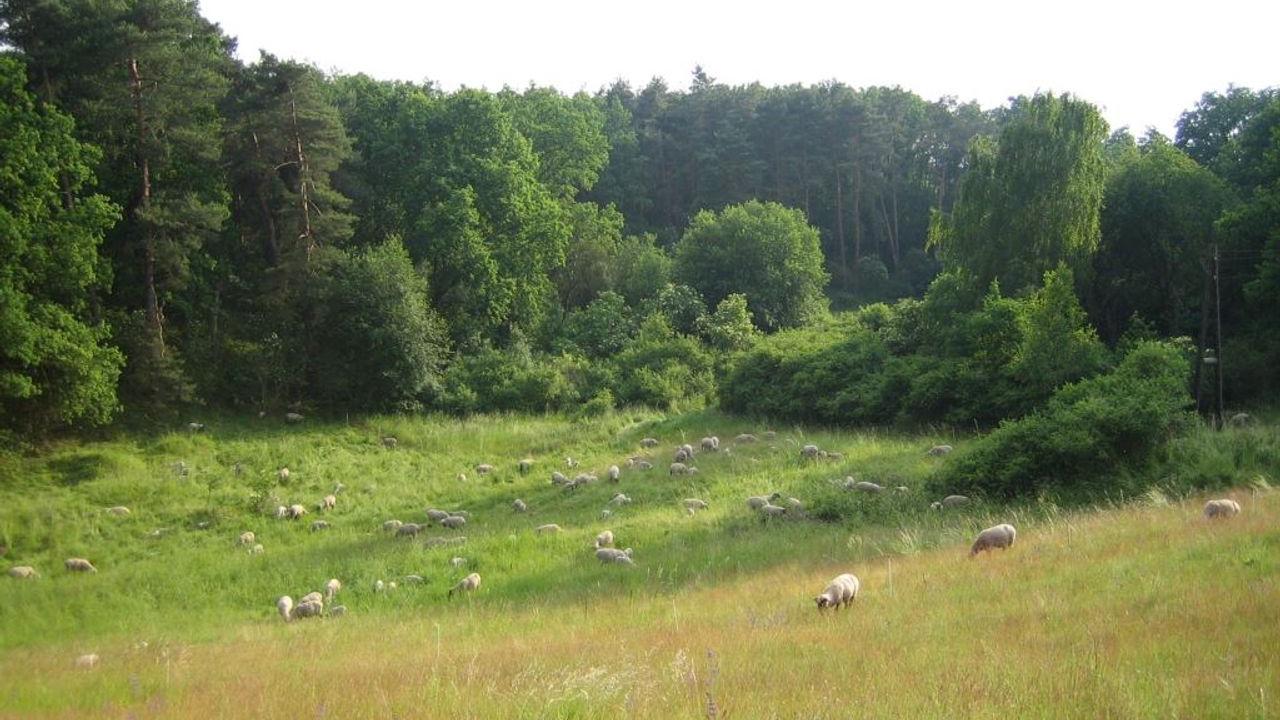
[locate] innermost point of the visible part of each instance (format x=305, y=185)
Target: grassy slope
x=1132, y=612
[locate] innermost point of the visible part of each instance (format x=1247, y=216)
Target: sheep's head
x=823, y=601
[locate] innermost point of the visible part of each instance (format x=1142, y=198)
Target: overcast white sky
x=1142, y=62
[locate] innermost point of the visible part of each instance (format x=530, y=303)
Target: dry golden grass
x=1138, y=612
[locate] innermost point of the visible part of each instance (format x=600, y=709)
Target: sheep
x=379, y=586
x=954, y=500
x=462, y=477
x=613, y=555
x=180, y=468
x=547, y=529
x=293, y=417
x=23, y=572
x=257, y=549
x=337, y=611
x=619, y=499
x=469, y=583
x=794, y=504
x=442, y=541
x=746, y=438
x=519, y=506
x=453, y=522
x=331, y=588
x=312, y=596
x=328, y=502
x=644, y=465
x=1224, y=508
x=711, y=443
x=285, y=606
x=408, y=530
x=835, y=456
x=770, y=434
x=605, y=514
x=1240, y=420
x=392, y=525
x=769, y=510
x=457, y=561
x=648, y=442
x=524, y=466
x=570, y=462
x=939, y=450
x=614, y=473
x=903, y=488
x=483, y=469
x=282, y=512
x=195, y=427
x=863, y=486
x=319, y=525
x=88, y=661
x=694, y=504
x=283, y=474
x=935, y=505
x=678, y=468
x=414, y=579
x=558, y=478
x=755, y=502
x=118, y=511
x=1000, y=536
x=604, y=539
x=389, y=442
x=436, y=515
x=841, y=591
x=296, y=511
x=246, y=538
x=584, y=478
x=461, y=513
x=338, y=487
x=809, y=452
x=309, y=608
x=79, y=565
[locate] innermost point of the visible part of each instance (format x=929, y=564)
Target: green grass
x=554, y=633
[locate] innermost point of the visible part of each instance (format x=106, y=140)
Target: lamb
x=331, y=588
x=282, y=512
x=614, y=473
x=648, y=442
x=283, y=474
x=1224, y=508
x=79, y=565
x=678, y=468
x=755, y=502
x=484, y=469
x=246, y=538
x=605, y=514
x=457, y=561
x=453, y=522
x=285, y=606
x=195, y=427
x=863, y=486
x=436, y=515
x=769, y=510
x=604, y=539
x=558, y=478
x=88, y=661
x=313, y=596
x=337, y=611
x=519, y=506
x=257, y=549
x=293, y=418
x=389, y=442
x=524, y=466
x=469, y=583
x=547, y=529
x=414, y=579
x=23, y=572
x=954, y=500
x=644, y=465
x=711, y=443
x=570, y=462
x=392, y=526
x=309, y=608
x=338, y=487
x=584, y=478
x=939, y=450
x=841, y=591
x=1000, y=536
x=745, y=438
x=620, y=499
x=296, y=511
x=408, y=529
x=613, y=555
x=809, y=451
x=694, y=504
x=319, y=525
x=328, y=502
x=118, y=511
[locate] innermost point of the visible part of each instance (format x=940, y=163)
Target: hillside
x=1134, y=611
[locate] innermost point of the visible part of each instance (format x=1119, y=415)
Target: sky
x=1142, y=63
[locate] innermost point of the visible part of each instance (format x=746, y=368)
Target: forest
x=184, y=232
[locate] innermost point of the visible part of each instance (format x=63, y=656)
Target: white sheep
x=746, y=438
x=331, y=588
x=379, y=586
x=694, y=504
x=293, y=417
x=484, y=469
x=408, y=529
x=87, y=661
x=118, y=511
x=605, y=514
x=769, y=510
x=392, y=525
x=457, y=561
x=79, y=565
x=453, y=522
x=435, y=515
x=614, y=473
x=558, y=478
x=613, y=555
x=469, y=583
x=841, y=591
x=863, y=486
x=328, y=502
x=23, y=572
x=319, y=525
x=389, y=442
x=755, y=502
x=312, y=596
x=619, y=499
x=246, y=538
x=524, y=466
x=257, y=549
x=547, y=529
x=338, y=488
x=711, y=443
x=283, y=474
x=285, y=606
x=282, y=512
x=939, y=450
x=414, y=579
x=678, y=468
x=519, y=506
x=809, y=451
x=1224, y=508
x=1000, y=536
x=604, y=539
x=195, y=427
x=337, y=611
x=309, y=608
x=297, y=511
x=644, y=465
x=954, y=500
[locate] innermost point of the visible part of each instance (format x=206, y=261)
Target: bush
x=662, y=369
x=1092, y=438
x=602, y=328
x=486, y=380
x=680, y=305
x=729, y=328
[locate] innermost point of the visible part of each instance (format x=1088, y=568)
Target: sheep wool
x=79, y=565
x=519, y=506
x=469, y=583
x=285, y=606
x=604, y=539
x=22, y=572
x=841, y=591
x=1223, y=508
x=453, y=522
x=547, y=529
x=999, y=536
x=331, y=588
x=246, y=538
x=118, y=511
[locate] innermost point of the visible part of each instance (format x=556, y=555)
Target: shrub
x=663, y=369
x=602, y=328
x=729, y=328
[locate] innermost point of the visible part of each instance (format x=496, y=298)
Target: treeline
x=180, y=227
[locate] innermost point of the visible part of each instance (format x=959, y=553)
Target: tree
x=567, y=134
x=1031, y=200
x=762, y=250
x=55, y=365
x=1205, y=131
x=590, y=265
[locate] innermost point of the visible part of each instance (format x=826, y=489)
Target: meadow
x=1134, y=608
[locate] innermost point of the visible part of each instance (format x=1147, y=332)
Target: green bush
x=663, y=369
x=1092, y=438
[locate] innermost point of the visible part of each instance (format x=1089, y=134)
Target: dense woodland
x=179, y=228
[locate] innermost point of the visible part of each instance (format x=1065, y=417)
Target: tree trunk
x=303, y=173
x=271, y=243
x=1197, y=381
x=857, y=218
x=151, y=302
x=840, y=243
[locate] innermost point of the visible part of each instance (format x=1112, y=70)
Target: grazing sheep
x=954, y=500
x=649, y=442
x=570, y=462
x=605, y=514
x=319, y=525
x=769, y=510
x=282, y=512
x=435, y=515
x=809, y=451
x=519, y=506
x=604, y=539
x=903, y=488
x=331, y=588
x=443, y=541
x=414, y=579
x=935, y=505
x=462, y=477
x=613, y=555
x=841, y=591
x=283, y=474
x=392, y=525
x=584, y=478
x=864, y=486
x=311, y=597
x=619, y=499
x=195, y=427
x=408, y=530
x=257, y=549
x=694, y=504
x=614, y=473
x=644, y=465
x=296, y=511
x=338, y=488
x=711, y=443
x=524, y=466
x=79, y=565
x=453, y=522
x=285, y=606
x=328, y=502
x=88, y=661
x=246, y=538
x=23, y=572
x=118, y=511
x=293, y=417
x=558, y=478
x=678, y=468
x=389, y=442
x=180, y=468
x=457, y=561
x=547, y=529
x=1240, y=420
x=337, y=611
x=1224, y=508
x=309, y=608
x=939, y=450
x=484, y=469
x=1000, y=536
x=379, y=586
x=745, y=438
x=468, y=584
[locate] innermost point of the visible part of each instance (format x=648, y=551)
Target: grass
x=1139, y=610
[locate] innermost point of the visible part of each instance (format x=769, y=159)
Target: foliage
x=643, y=269
x=680, y=305
x=602, y=328
x=729, y=328
x=662, y=369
